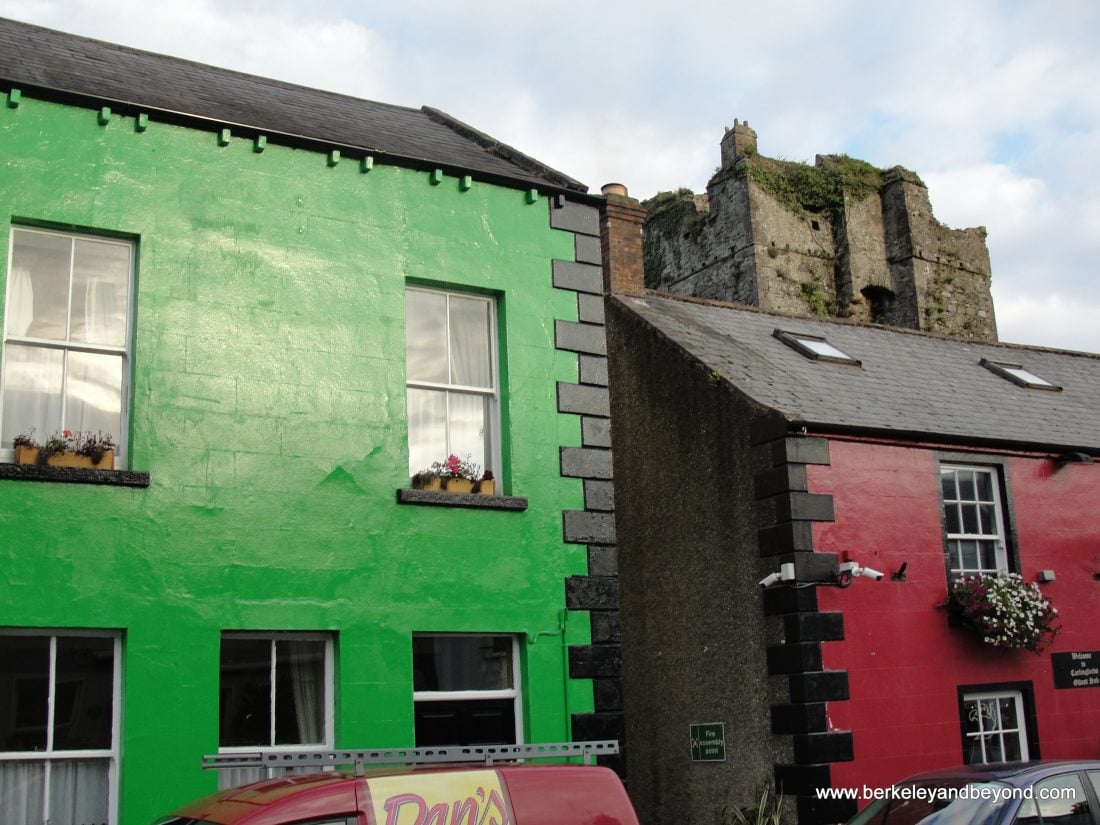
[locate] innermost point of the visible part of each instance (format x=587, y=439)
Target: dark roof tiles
x=65, y=64
x=910, y=384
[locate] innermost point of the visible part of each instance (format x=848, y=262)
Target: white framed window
x=994, y=727
x=451, y=367
x=66, y=335
x=59, y=726
x=466, y=689
x=275, y=693
x=973, y=521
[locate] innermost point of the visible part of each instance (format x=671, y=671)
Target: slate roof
x=93, y=72
x=910, y=384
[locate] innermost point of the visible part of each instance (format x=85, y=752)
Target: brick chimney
x=621, y=222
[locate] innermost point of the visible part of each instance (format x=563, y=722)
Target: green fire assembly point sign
x=708, y=742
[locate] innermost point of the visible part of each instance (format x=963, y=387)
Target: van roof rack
x=487, y=754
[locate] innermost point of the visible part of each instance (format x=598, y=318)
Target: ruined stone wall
x=839, y=239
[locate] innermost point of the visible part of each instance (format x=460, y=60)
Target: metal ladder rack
x=486, y=754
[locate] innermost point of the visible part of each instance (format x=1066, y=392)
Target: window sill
x=469, y=500
x=71, y=475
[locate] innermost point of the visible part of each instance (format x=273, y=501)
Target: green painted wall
x=268, y=406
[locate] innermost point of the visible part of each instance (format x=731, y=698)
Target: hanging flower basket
x=1004, y=611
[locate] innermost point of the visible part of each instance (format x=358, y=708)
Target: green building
x=281, y=303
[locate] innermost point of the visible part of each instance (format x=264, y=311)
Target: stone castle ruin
x=837, y=239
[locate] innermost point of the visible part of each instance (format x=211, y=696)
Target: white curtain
x=307, y=661
x=79, y=792
x=20, y=309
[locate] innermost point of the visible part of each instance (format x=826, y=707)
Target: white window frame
x=50, y=755
x=238, y=776
x=955, y=571
x=514, y=692
x=7, y=452
x=492, y=393
x=972, y=706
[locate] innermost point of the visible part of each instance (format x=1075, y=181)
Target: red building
x=758, y=449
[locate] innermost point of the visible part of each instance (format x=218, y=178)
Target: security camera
x=871, y=573
x=770, y=579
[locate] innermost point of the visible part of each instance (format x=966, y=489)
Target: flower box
x=455, y=476
x=29, y=455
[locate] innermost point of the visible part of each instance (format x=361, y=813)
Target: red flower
x=67, y=433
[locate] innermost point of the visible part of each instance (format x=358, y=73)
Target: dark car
x=1023, y=793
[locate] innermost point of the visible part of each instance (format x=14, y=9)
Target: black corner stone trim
x=582, y=462
x=802, y=780
x=576, y=217
x=800, y=450
x=788, y=537
x=814, y=811
x=782, y=599
x=73, y=475
x=586, y=250
x=593, y=370
x=822, y=686
x=804, y=507
x=595, y=432
x=592, y=593
x=595, y=661
x=577, y=277
x=812, y=748
x=786, y=478
x=599, y=495
x=813, y=567
x=575, y=337
x=583, y=399
x=471, y=500
x=590, y=309
x=799, y=718
x=598, y=592
x=584, y=527
x=793, y=658
x=813, y=627
x=605, y=627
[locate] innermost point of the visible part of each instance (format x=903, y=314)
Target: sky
x=994, y=103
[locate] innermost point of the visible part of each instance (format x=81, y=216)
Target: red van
x=471, y=785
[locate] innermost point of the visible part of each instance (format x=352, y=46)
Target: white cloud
x=1048, y=320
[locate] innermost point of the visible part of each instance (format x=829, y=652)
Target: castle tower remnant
x=839, y=238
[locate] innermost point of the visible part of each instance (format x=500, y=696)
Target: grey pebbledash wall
x=594, y=526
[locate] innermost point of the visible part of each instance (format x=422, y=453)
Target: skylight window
x=1017, y=374
x=815, y=347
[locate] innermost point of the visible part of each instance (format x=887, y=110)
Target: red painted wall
x=904, y=663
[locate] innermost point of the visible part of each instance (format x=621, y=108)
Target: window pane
x=947, y=485
x=94, y=393
x=100, y=292
x=23, y=792
x=462, y=662
x=985, y=486
x=32, y=392
x=951, y=515
x=966, y=485
x=25, y=680
x=78, y=792
x=38, y=295
x=970, y=519
x=989, y=555
x=467, y=414
x=470, y=342
x=84, y=693
x=988, y=524
x=471, y=722
x=427, y=428
x=245, y=699
x=299, y=692
x=426, y=336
